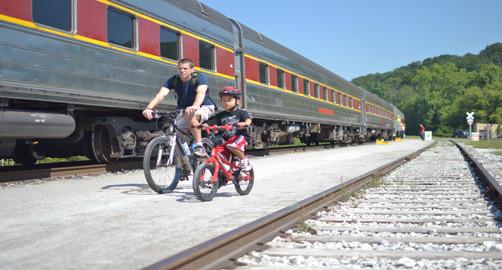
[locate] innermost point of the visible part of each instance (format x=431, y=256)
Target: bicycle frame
x=176, y=151
x=218, y=159
x=218, y=156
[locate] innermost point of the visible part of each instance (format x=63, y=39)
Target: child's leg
x=238, y=153
x=237, y=146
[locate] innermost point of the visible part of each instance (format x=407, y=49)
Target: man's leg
x=195, y=130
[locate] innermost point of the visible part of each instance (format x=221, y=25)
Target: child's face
x=228, y=102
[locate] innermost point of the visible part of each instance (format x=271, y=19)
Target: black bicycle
x=168, y=158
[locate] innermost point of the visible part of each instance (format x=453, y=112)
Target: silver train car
x=75, y=75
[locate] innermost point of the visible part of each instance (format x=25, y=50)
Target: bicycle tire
x=203, y=188
x=161, y=177
x=208, y=147
x=246, y=183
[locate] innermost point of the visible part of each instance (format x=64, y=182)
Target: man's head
x=185, y=69
x=229, y=97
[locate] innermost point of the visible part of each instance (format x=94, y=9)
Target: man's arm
x=147, y=112
x=199, y=98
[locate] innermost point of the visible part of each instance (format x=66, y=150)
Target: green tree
x=438, y=91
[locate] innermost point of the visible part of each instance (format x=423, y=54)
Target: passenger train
x=76, y=74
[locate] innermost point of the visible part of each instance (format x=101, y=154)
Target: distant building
x=487, y=131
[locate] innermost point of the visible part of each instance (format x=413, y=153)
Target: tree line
x=439, y=91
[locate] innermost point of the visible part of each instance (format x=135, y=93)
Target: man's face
x=185, y=72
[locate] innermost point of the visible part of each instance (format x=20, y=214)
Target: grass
x=412, y=137
x=495, y=144
x=301, y=226
x=10, y=162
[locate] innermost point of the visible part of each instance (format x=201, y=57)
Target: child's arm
x=246, y=123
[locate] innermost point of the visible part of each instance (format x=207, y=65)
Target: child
x=230, y=98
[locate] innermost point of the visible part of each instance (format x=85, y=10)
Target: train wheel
x=26, y=154
x=101, y=145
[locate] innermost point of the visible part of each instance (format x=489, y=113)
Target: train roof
x=265, y=47
x=188, y=14
x=208, y=22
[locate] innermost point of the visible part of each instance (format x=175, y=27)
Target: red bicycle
x=220, y=169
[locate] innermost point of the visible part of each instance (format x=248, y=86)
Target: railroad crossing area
x=115, y=221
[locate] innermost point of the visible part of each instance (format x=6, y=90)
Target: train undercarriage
x=105, y=135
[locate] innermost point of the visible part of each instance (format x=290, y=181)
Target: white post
x=470, y=120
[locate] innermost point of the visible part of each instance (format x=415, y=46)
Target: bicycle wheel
x=203, y=187
x=161, y=175
x=244, y=182
x=208, y=147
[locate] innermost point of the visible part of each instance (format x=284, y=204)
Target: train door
x=240, y=71
x=364, y=122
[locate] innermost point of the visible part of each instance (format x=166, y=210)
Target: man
x=421, y=131
x=191, y=89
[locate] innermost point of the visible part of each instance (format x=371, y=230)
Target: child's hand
x=205, y=125
x=242, y=124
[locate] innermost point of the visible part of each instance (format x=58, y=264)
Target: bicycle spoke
x=161, y=175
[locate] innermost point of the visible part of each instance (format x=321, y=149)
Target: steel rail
x=81, y=168
x=493, y=188
x=223, y=250
x=21, y=173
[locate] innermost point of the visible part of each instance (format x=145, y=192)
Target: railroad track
x=63, y=169
x=81, y=168
x=430, y=213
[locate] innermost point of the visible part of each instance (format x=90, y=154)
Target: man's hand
x=148, y=114
x=191, y=109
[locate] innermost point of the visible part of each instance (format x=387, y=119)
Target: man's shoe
x=199, y=151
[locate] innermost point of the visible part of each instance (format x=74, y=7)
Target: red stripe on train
x=325, y=111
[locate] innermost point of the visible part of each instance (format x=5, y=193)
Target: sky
x=357, y=37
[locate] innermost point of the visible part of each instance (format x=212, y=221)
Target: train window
x=120, y=28
x=53, y=13
x=280, y=78
x=263, y=73
x=306, y=87
x=325, y=93
x=294, y=83
x=206, y=55
x=169, y=43
x=316, y=90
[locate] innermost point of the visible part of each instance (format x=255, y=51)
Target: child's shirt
x=231, y=117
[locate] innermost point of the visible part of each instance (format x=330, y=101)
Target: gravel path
x=491, y=162
x=427, y=214
x=115, y=221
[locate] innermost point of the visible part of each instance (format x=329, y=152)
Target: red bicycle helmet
x=230, y=91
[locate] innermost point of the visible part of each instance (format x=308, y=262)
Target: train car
x=379, y=116
x=75, y=75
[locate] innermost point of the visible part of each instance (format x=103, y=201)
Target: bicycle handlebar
x=158, y=114
x=216, y=129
